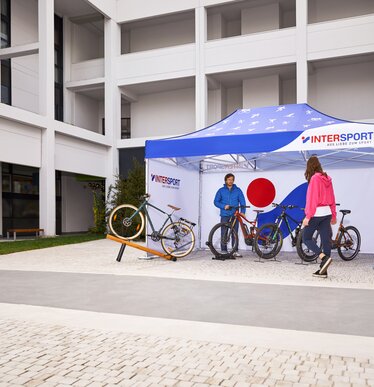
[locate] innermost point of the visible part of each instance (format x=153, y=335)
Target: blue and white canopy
x=254, y=133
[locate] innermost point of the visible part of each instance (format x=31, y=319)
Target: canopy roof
x=250, y=136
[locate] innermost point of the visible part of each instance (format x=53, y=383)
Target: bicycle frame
x=143, y=207
x=241, y=218
x=284, y=217
x=340, y=231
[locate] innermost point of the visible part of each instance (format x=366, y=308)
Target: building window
x=125, y=127
x=6, y=73
x=127, y=159
x=59, y=78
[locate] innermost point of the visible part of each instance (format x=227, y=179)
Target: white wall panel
x=358, y=201
x=138, y=9
x=25, y=83
x=166, y=113
x=250, y=51
x=345, y=91
x=183, y=194
x=19, y=144
x=77, y=156
x=338, y=38
x=161, y=35
x=260, y=18
x=86, y=112
x=77, y=202
x=163, y=63
x=86, y=44
x=24, y=22
x=264, y=91
x=322, y=10
x=89, y=69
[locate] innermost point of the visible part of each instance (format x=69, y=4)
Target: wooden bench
x=37, y=231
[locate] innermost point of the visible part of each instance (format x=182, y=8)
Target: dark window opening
x=125, y=127
x=20, y=198
x=59, y=78
x=126, y=159
x=5, y=64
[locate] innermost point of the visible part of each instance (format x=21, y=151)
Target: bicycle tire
x=268, y=241
x=220, y=236
x=178, y=239
x=303, y=251
x=349, y=241
x=125, y=222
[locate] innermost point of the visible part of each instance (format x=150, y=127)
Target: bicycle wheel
x=178, y=239
x=268, y=241
x=223, y=240
x=349, y=243
x=303, y=251
x=126, y=222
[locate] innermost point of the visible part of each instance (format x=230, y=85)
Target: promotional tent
x=272, y=142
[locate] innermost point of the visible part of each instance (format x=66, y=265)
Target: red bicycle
x=223, y=238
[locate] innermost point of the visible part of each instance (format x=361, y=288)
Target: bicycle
x=347, y=240
x=177, y=237
x=222, y=233
x=269, y=239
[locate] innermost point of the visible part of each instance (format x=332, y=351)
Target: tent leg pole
x=120, y=253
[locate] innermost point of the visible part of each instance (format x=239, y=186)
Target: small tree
x=128, y=190
x=99, y=207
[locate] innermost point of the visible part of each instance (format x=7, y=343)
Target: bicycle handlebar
x=285, y=207
x=145, y=196
x=237, y=207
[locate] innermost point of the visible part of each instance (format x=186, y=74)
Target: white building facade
x=85, y=82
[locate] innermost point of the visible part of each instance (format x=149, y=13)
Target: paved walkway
x=143, y=323
x=274, y=306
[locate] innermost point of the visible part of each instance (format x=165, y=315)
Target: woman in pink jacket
x=320, y=213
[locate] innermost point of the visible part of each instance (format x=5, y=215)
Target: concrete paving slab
x=316, y=309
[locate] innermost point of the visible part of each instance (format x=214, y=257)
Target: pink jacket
x=320, y=193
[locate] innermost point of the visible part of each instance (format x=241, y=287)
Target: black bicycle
x=269, y=238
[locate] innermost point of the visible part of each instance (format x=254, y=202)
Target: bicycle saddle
x=173, y=207
x=345, y=212
x=258, y=211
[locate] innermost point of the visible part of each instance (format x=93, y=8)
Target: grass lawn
x=42, y=243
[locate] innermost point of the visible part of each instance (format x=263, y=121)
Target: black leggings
x=323, y=225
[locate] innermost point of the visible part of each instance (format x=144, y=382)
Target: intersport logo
x=338, y=138
x=166, y=181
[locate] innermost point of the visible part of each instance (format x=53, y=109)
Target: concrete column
x=68, y=95
x=301, y=51
x=201, y=86
x=264, y=91
x=216, y=26
x=112, y=104
x=1, y=201
x=47, y=188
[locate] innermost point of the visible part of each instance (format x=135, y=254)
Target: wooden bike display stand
x=125, y=243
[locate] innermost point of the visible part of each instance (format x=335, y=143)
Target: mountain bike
x=269, y=238
x=347, y=240
x=223, y=239
x=177, y=237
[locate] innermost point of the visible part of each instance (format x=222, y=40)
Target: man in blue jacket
x=227, y=199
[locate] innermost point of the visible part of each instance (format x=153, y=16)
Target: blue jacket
x=233, y=197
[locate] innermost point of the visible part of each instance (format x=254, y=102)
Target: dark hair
x=312, y=166
x=229, y=175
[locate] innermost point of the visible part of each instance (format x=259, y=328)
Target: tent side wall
x=169, y=184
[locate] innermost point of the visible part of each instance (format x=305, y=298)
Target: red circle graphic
x=261, y=192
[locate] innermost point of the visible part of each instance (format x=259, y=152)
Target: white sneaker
x=237, y=255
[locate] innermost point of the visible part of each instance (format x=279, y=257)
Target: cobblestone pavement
x=100, y=257
x=55, y=352
x=37, y=354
